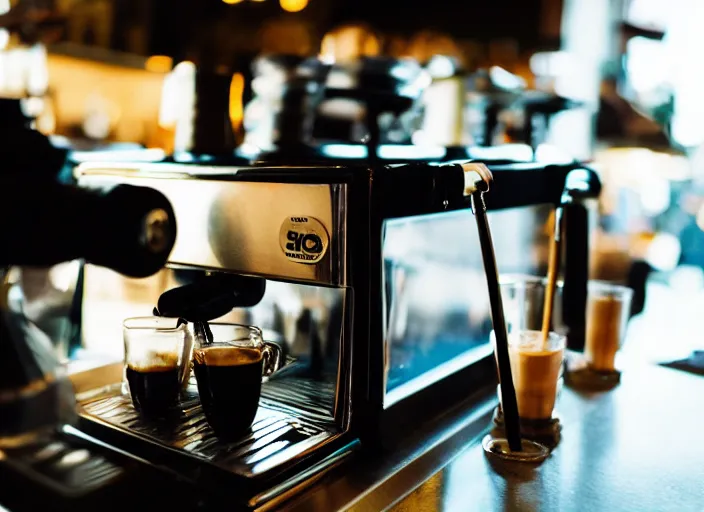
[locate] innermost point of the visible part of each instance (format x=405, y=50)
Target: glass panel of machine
x=437, y=317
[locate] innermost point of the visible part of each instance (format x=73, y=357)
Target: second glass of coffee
x=608, y=309
x=229, y=374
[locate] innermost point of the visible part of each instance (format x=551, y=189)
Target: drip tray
x=293, y=419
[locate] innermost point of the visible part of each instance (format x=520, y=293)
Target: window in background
x=683, y=43
x=647, y=75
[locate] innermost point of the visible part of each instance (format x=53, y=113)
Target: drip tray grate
x=293, y=417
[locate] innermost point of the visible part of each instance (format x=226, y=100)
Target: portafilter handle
x=128, y=229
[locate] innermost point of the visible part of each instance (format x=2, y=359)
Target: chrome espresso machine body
x=374, y=289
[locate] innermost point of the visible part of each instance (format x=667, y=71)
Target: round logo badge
x=303, y=239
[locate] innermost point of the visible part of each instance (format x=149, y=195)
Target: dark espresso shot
x=229, y=384
x=154, y=389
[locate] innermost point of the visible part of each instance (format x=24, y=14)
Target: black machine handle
x=128, y=229
x=211, y=297
x=434, y=189
x=517, y=185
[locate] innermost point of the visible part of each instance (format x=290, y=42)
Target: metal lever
x=477, y=180
x=577, y=187
x=477, y=177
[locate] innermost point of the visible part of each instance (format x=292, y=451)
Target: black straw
x=503, y=362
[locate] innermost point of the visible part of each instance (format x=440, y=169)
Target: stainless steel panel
x=236, y=225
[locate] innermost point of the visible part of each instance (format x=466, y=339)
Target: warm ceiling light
x=233, y=2
x=236, y=106
x=158, y=64
x=293, y=5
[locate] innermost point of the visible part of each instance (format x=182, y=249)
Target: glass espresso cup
x=229, y=374
x=157, y=351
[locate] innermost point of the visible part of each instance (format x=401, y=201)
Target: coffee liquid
x=535, y=369
x=604, y=320
x=154, y=389
x=229, y=385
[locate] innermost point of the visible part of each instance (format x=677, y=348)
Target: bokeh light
x=348, y=43
x=293, y=5
x=664, y=251
x=158, y=64
x=236, y=106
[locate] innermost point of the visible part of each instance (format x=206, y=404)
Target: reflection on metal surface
x=275, y=496
x=216, y=227
x=293, y=417
x=156, y=231
x=63, y=461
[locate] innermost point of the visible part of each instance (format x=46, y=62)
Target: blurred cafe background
x=617, y=83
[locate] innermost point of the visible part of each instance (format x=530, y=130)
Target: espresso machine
x=374, y=288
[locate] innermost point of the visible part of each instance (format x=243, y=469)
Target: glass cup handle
x=273, y=358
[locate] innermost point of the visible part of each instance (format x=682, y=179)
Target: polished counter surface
x=638, y=447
